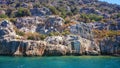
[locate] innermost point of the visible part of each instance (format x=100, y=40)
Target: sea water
x=60, y=62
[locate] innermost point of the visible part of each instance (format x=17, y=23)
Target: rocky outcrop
x=40, y=11
x=110, y=46
x=83, y=29
x=6, y=28
x=106, y=26
x=77, y=44
x=81, y=43
x=9, y=45
x=28, y=24
x=43, y=25
x=52, y=24
x=56, y=50
x=31, y=48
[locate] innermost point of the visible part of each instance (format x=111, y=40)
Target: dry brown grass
x=105, y=33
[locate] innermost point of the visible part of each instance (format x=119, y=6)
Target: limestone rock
x=40, y=11
x=28, y=24
x=52, y=24
x=6, y=28
x=56, y=50
x=83, y=29
x=76, y=44
x=30, y=48
x=110, y=45
x=54, y=39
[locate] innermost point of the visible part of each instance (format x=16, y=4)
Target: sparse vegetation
x=3, y=16
x=66, y=9
x=34, y=36
x=18, y=32
x=54, y=34
x=105, y=33
x=91, y=17
x=65, y=32
x=54, y=10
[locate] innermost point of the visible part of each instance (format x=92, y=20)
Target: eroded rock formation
x=74, y=44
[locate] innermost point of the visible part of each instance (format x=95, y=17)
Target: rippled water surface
x=60, y=62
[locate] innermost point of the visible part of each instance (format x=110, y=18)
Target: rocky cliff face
x=110, y=46
x=41, y=48
x=31, y=48
x=43, y=25
x=76, y=44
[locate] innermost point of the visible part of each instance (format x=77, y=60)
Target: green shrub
x=118, y=15
x=67, y=21
x=42, y=36
x=95, y=17
x=20, y=33
x=65, y=32
x=91, y=17
x=22, y=12
x=54, y=34
x=3, y=16
x=53, y=10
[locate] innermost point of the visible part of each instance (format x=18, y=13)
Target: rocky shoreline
x=41, y=48
x=72, y=44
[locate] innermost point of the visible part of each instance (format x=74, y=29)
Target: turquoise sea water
x=60, y=62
